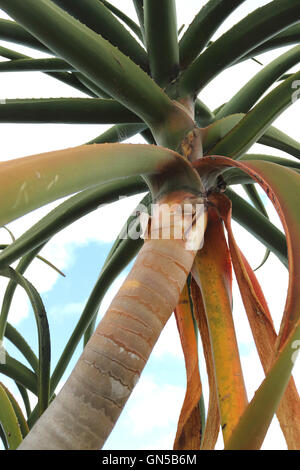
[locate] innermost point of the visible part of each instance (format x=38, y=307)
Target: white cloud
x=164, y=404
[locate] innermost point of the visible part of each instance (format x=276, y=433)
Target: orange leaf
x=189, y=429
x=214, y=270
x=212, y=425
x=261, y=324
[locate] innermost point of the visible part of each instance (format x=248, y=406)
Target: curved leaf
x=20, y=373
x=259, y=226
x=96, y=15
x=19, y=342
x=66, y=213
x=256, y=28
x=119, y=14
x=30, y=182
x=203, y=27
x=9, y=420
x=68, y=78
x=250, y=93
x=212, y=425
x=282, y=186
x=43, y=375
x=255, y=124
x=279, y=140
x=18, y=412
x=93, y=56
x=213, y=266
x=11, y=31
x=263, y=331
x=190, y=426
x=287, y=37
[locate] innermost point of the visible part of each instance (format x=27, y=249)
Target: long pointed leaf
x=279, y=140
x=65, y=110
x=35, y=65
x=66, y=213
x=31, y=182
x=121, y=15
x=287, y=37
x=249, y=94
x=251, y=31
x=263, y=331
x=9, y=420
x=203, y=27
x=214, y=271
x=212, y=425
x=259, y=226
x=190, y=426
x=43, y=336
x=18, y=412
x=11, y=31
x=92, y=55
x=257, y=121
x=282, y=186
x=95, y=15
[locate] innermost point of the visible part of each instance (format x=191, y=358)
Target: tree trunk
x=88, y=406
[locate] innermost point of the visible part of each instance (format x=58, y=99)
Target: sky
x=150, y=417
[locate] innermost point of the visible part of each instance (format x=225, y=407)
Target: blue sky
x=149, y=419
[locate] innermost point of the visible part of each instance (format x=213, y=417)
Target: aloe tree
x=144, y=80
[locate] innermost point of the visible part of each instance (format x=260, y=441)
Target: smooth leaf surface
x=9, y=420
x=213, y=266
x=202, y=28
x=259, y=26
x=189, y=427
x=262, y=327
x=30, y=182
x=92, y=55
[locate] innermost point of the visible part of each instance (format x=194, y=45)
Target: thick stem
x=88, y=406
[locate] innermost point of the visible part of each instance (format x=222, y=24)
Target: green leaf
x=68, y=78
x=9, y=420
x=255, y=124
x=95, y=15
x=65, y=110
x=256, y=28
x=130, y=23
x=20, y=373
x=25, y=397
x=18, y=412
x=19, y=342
x=203, y=115
x=93, y=56
x=270, y=158
x=139, y=8
x=43, y=375
x=11, y=31
x=254, y=197
x=287, y=37
x=118, y=133
x=35, y=65
x=250, y=93
x=10, y=290
x=203, y=27
x=279, y=140
x=161, y=40
x=259, y=226
x=64, y=214
x=31, y=182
